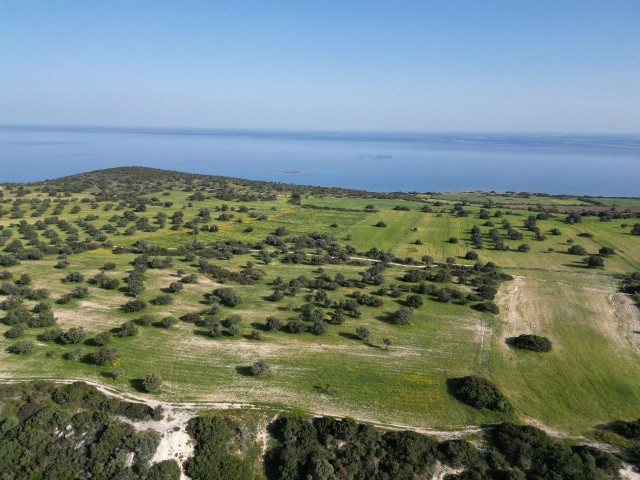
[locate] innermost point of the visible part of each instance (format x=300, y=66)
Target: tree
x=380, y=224
x=524, y=248
x=594, y=261
x=414, y=301
x=226, y=296
x=259, y=368
x=105, y=355
x=534, y=343
x=577, y=250
x=21, y=347
x=151, y=382
x=363, y=332
x=402, y=316
x=134, y=306
x=72, y=336
x=606, y=251
x=168, y=322
x=273, y=323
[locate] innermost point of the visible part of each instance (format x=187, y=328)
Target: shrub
x=594, y=261
x=255, y=335
x=226, y=296
x=102, y=338
x=151, y=382
x=16, y=331
x=533, y=343
x=459, y=453
x=380, y=224
x=164, y=299
x=260, y=368
x=21, y=347
x=273, y=323
x=127, y=329
x=75, y=354
x=168, y=322
x=480, y=393
x=105, y=355
x=73, y=277
x=72, y=336
x=363, y=333
x=524, y=248
x=175, y=287
x=453, y=240
x=577, y=250
x=402, y=316
x=606, y=251
x=136, y=305
x=50, y=335
x=414, y=301
x=487, y=307
x=145, y=320
x=471, y=255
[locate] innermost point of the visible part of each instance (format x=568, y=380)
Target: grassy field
x=590, y=377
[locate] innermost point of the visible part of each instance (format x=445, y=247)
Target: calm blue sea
x=607, y=165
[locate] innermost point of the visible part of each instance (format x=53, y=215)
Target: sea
x=594, y=165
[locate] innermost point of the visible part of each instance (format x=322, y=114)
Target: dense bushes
x=45, y=440
x=216, y=438
x=531, y=342
x=479, y=393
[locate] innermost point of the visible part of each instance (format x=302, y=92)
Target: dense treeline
x=56, y=432
x=329, y=448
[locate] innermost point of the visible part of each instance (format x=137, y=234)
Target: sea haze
x=606, y=165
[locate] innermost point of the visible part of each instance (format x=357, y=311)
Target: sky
x=508, y=66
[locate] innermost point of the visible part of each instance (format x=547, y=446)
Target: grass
x=588, y=378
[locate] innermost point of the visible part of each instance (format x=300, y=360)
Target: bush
x=105, y=355
x=145, y=320
x=414, y=301
x=380, y=224
x=260, y=368
x=226, y=296
x=273, y=323
x=453, y=240
x=459, y=453
x=402, y=316
x=577, y=250
x=72, y=336
x=487, y=307
x=594, y=261
x=127, y=329
x=102, y=338
x=175, y=287
x=50, y=335
x=134, y=306
x=480, y=393
x=73, y=277
x=168, y=322
x=151, y=383
x=363, y=333
x=21, y=347
x=164, y=299
x=533, y=343
x=16, y=331
x=631, y=429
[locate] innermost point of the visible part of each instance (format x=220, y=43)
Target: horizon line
x=204, y=130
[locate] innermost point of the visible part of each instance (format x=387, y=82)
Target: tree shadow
x=510, y=341
x=453, y=386
x=349, y=336
x=137, y=384
x=615, y=426
x=244, y=370
x=259, y=326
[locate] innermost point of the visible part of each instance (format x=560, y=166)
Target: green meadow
x=590, y=376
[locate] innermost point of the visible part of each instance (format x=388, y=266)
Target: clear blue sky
x=544, y=66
